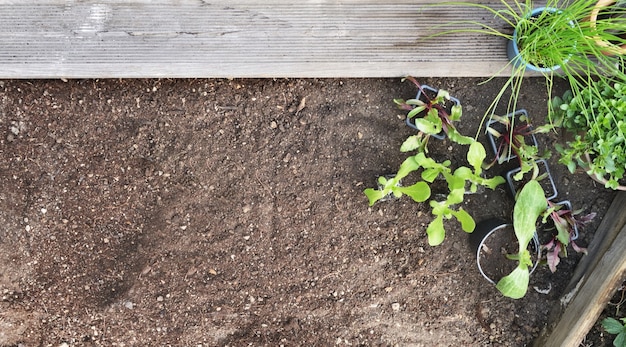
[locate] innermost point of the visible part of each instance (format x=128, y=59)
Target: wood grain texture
x=243, y=38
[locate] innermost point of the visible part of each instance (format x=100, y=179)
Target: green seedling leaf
x=493, y=182
x=419, y=192
x=455, y=196
x=464, y=173
x=415, y=111
x=476, y=155
x=435, y=231
x=408, y=165
x=442, y=94
x=612, y=326
x=529, y=206
x=456, y=112
x=429, y=175
x=412, y=143
x=374, y=195
x=467, y=222
x=426, y=126
x=515, y=284
x=456, y=137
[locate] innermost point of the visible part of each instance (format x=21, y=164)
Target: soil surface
x=231, y=212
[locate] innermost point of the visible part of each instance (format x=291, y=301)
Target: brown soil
x=230, y=212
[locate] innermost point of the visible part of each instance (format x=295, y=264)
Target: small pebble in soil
x=395, y=306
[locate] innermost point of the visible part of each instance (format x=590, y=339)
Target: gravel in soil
x=231, y=212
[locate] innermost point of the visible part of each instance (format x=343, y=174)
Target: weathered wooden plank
x=242, y=38
x=595, y=280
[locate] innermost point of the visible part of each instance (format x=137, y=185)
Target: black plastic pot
x=501, y=128
x=411, y=122
x=547, y=183
x=489, y=239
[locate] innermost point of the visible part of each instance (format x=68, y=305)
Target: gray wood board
x=243, y=38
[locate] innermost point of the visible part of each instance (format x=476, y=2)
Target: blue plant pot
x=513, y=52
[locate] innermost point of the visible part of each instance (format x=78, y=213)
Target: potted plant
x=557, y=39
x=512, y=136
x=595, y=119
x=492, y=242
x=540, y=172
x=529, y=206
x=562, y=224
x=432, y=112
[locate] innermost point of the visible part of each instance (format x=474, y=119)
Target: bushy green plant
x=596, y=118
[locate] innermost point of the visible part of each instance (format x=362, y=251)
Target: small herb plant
x=458, y=181
x=616, y=327
x=596, y=117
x=529, y=206
x=435, y=117
x=511, y=140
x=565, y=222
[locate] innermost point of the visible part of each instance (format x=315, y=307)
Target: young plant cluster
x=432, y=119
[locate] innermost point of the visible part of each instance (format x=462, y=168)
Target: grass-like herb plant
x=556, y=41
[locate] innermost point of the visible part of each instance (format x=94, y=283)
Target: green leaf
x=515, y=284
x=411, y=143
x=427, y=126
x=464, y=173
x=414, y=112
x=476, y=155
x=374, y=195
x=435, y=231
x=456, y=112
x=429, y=175
x=455, y=196
x=493, y=182
x=419, y=192
x=467, y=222
x=530, y=204
x=408, y=165
x=620, y=340
x=612, y=326
x=456, y=137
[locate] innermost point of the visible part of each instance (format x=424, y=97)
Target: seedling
x=512, y=136
x=431, y=116
x=566, y=223
x=529, y=205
